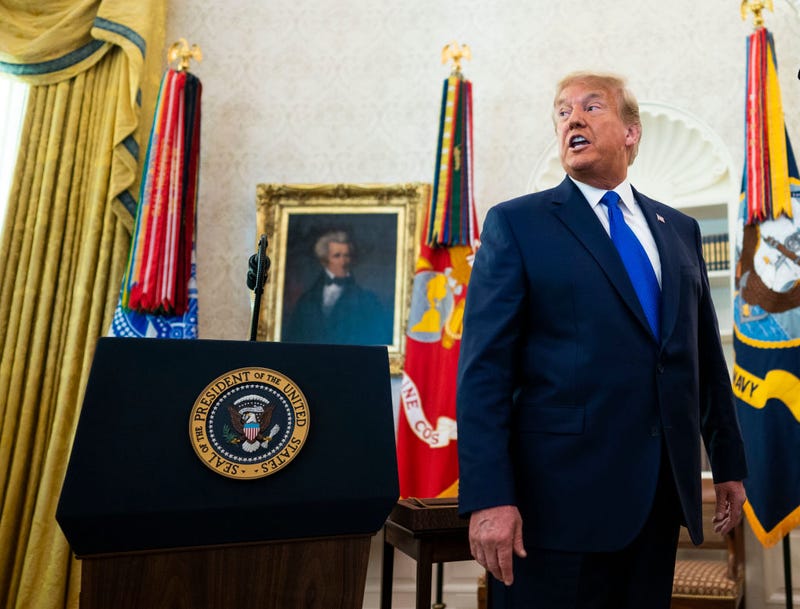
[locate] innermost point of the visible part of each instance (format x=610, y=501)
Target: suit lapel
x=665, y=238
x=571, y=208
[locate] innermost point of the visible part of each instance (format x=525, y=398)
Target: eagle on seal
x=250, y=416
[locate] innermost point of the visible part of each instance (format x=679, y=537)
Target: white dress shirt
x=634, y=217
x=330, y=294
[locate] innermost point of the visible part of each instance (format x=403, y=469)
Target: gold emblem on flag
x=249, y=423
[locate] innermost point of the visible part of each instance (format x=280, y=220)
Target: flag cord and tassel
x=455, y=53
x=158, y=297
x=768, y=167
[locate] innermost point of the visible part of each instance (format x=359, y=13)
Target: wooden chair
x=483, y=596
x=711, y=576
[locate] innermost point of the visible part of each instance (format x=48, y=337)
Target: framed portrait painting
x=343, y=259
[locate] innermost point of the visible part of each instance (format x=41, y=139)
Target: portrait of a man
x=330, y=297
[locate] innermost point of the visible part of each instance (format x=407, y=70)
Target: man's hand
x=494, y=533
x=730, y=499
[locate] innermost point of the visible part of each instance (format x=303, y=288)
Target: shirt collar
x=330, y=275
x=593, y=194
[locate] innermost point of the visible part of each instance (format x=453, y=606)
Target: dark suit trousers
x=637, y=577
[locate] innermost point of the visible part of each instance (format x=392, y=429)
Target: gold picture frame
x=383, y=222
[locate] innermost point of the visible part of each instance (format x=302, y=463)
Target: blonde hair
x=627, y=106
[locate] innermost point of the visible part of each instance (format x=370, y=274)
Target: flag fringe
x=778, y=532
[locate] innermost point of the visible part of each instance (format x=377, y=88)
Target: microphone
x=257, y=260
x=257, y=268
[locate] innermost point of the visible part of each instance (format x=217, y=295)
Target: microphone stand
x=256, y=278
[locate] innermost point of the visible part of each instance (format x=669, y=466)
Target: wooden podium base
x=327, y=573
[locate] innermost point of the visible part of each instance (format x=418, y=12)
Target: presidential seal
x=249, y=423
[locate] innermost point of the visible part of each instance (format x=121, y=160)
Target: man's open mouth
x=577, y=140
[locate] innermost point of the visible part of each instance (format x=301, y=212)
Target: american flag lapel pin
x=660, y=218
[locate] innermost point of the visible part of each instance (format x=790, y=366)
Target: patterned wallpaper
x=311, y=91
x=349, y=91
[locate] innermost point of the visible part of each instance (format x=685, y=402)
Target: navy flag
x=766, y=377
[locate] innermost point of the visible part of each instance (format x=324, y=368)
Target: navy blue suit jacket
x=564, y=395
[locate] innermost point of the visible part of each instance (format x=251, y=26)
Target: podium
x=156, y=521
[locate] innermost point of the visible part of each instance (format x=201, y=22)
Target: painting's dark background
x=374, y=265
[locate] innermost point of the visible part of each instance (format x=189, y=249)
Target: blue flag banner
x=133, y=324
x=766, y=376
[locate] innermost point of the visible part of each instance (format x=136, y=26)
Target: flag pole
x=439, y=586
x=455, y=53
x=756, y=7
x=787, y=572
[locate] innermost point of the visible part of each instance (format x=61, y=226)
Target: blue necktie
x=636, y=262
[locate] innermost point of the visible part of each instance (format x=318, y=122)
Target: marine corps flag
x=766, y=376
x=426, y=435
x=159, y=294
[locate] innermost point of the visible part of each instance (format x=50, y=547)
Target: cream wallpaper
x=349, y=91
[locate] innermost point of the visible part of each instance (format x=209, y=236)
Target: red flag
x=426, y=436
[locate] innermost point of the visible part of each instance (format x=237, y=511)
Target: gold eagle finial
x=755, y=7
x=455, y=52
x=182, y=53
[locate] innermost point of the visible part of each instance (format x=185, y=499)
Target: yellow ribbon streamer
x=778, y=384
x=778, y=163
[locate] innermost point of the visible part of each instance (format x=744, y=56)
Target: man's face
x=338, y=262
x=595, y=144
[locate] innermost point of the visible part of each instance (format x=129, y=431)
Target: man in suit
x=335, y=309
x=590, y=366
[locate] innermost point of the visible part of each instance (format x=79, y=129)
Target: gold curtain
x=63, y=250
